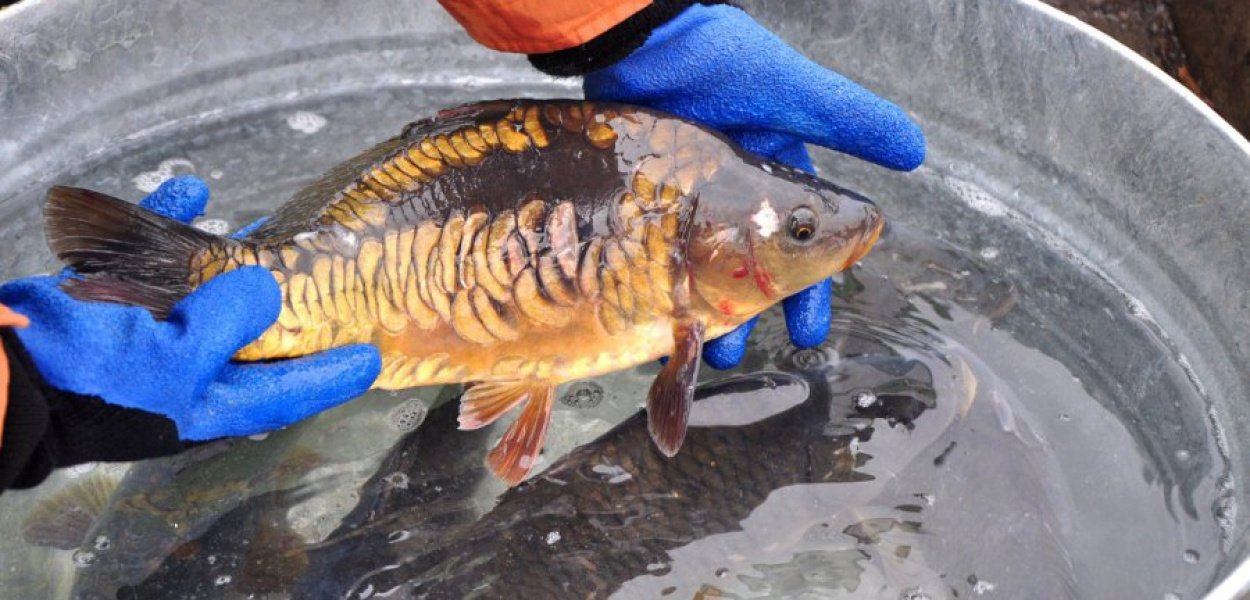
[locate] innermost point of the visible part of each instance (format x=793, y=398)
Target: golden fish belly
x=582, y=349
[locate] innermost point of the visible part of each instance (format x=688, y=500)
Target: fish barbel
x=512, y=245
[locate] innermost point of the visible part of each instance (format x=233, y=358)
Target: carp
x=508, y=245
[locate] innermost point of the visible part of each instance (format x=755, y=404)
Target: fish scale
x=544, y=292
x=513, y=244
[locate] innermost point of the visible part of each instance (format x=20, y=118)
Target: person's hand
x=718, y=66
x=180, y=367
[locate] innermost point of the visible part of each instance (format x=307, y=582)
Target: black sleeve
x=613, y=44
x=46, y=428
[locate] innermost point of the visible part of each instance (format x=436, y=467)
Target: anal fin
x=483, y=403
x=672, y=392
x=517, y=451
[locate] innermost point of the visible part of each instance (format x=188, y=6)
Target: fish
x=620, y=508
x=164, y=503
x=63, y=520
x=511, y=246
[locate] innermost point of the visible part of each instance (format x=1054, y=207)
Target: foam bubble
x=148, y=181
x=213, y=226
x=977, y=198
x=305, y=122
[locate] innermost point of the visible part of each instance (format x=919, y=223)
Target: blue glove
x=718, y=66
x=181, y=367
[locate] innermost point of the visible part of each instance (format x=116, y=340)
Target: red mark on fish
x=763, y=280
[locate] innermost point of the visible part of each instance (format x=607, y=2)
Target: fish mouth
x=870, y=237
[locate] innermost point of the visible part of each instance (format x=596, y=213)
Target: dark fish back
x=550, y=162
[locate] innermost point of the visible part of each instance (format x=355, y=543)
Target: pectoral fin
x=668, y=403
x=517, y=452
x=483, y=403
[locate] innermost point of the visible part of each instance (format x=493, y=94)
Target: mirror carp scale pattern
x=508, y=245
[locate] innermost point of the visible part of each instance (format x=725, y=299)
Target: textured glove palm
x=181, y=367
x=718, y=66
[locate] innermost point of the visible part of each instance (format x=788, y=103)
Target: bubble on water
x=553, y=537
x=102, y=543
x=977, y=198
x=1182, y=455
x=305, y=122
x=1191, y=557
x=1065, y=417
x=216, y=174
x=980, y=587
x=989, y=253
x=584, y=394
x=212, y=559
x=222, y=580
x=213, y=226
x=396, y=480
x=148, y=181
x=914, y=594
x=409, y=415
x=83, y=558
x=1226, y=512
x=865, y=399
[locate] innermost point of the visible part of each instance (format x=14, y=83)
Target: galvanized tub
x=1049, y=144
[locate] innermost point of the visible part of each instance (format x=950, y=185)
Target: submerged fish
x=609, y=512
x=619, y=510
x=514, y=245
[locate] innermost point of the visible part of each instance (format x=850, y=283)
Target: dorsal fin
x=451, y=119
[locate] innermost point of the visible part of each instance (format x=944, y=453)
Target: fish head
x=764, y=231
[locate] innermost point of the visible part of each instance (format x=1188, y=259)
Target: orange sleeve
x=8, y=318
x=539, y=26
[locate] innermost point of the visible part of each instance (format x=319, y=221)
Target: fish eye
x=802, y=225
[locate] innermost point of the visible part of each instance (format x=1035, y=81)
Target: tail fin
x=126, y=254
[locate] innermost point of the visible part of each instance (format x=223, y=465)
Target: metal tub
x=1042, y=133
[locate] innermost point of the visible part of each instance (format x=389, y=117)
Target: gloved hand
x=718, y=66
x=181, y=367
